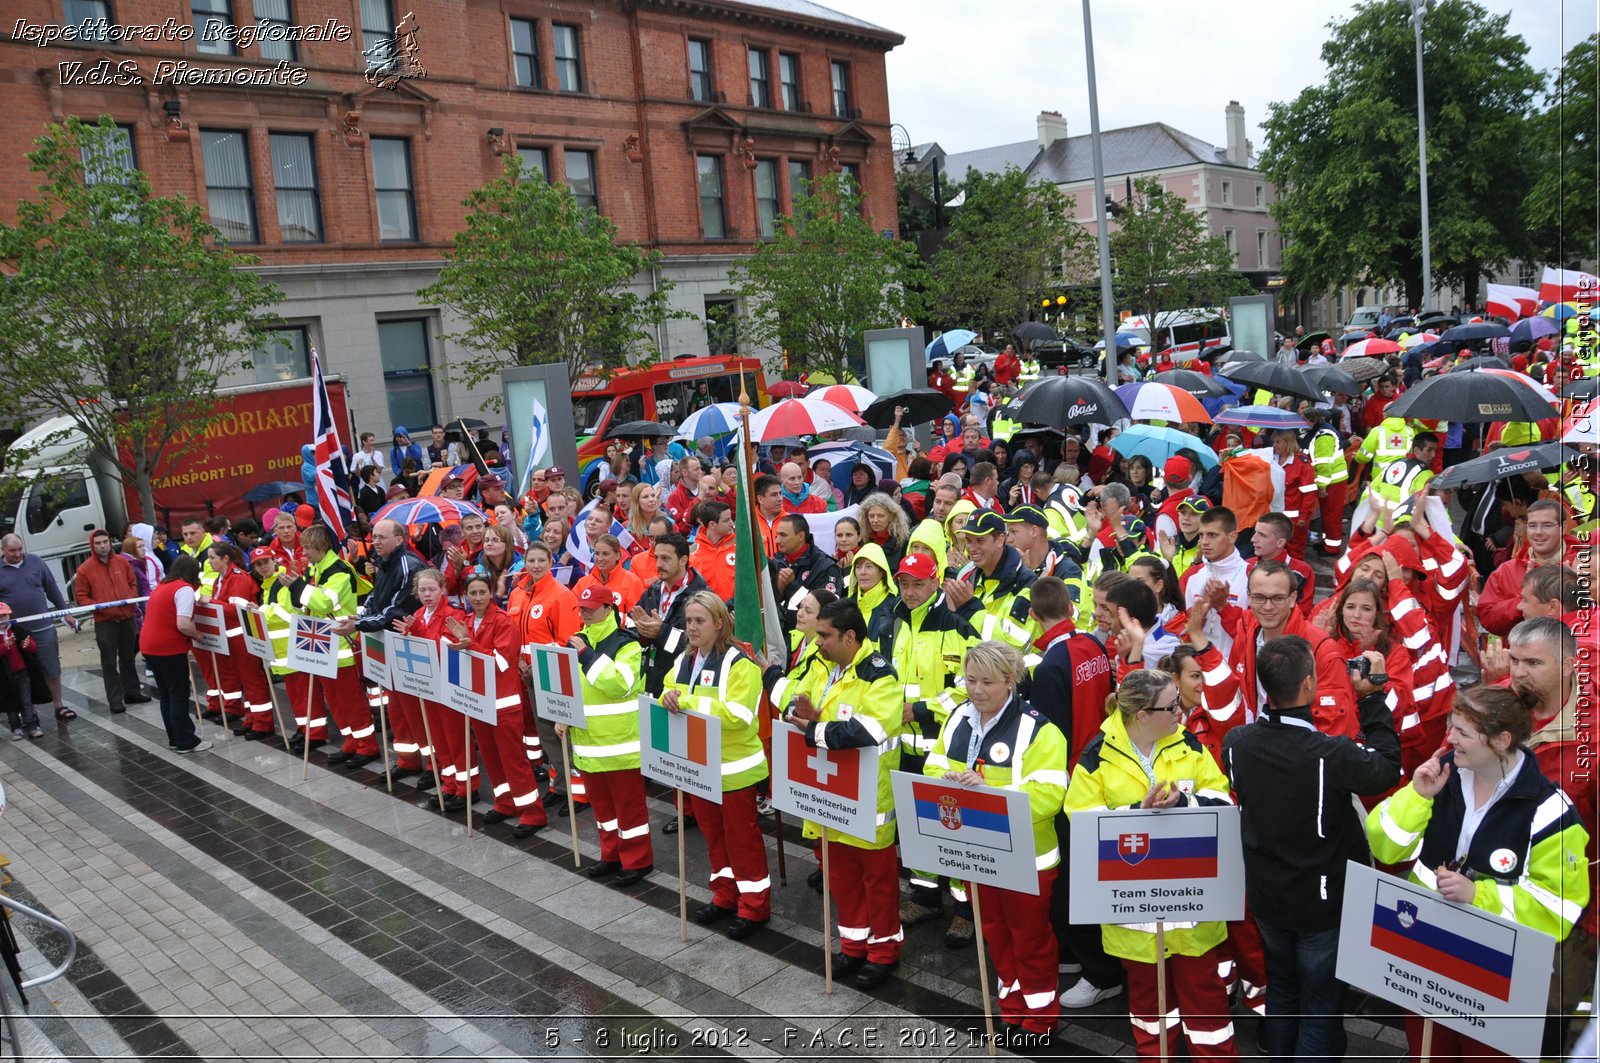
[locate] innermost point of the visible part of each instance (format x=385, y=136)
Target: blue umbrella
x=1483, y=330
x=274, y=489
x=845, y=457
x=1262, y=417
x=1124, y=339
x=1532, y=328
x=718, y=419
x=1234, y=395
x=945, y=346
x=1158, y=444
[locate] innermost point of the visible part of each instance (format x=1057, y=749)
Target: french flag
x=956, y=814
x=1417, y=927
x=1157, y=847
x=467, y=670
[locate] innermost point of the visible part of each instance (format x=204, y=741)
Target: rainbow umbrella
x=1560, y=311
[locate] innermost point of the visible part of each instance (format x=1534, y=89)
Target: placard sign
x=375, y=657
x=973, y=833
x=414, y=666
x=1146, y=865
x=1463, y=967
x=313, y=647
x=257, y=639
x=469, y=684
x=681, y=749
x=557, y=687
x=211, y=628
x=835, y=788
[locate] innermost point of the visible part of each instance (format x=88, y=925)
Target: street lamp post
x=938, y=197
x=1107, y=308
x=1419, y=9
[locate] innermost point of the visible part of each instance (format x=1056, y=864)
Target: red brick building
x=336, y=140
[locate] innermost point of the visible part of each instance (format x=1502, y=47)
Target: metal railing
x=6, y=1014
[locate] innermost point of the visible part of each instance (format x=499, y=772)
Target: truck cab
x=57, y=496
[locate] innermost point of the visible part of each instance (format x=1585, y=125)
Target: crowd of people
x=1016, y=607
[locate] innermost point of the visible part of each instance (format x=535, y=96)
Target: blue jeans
x=1305, y=1002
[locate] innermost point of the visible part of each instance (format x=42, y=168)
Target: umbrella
x=640, y=430
x=846, y=456
x=1362, y=370
x=852, y=397
x=1261, y=417
x=1371, y=349
x=1274, y=377
x=800, y=417
x=1062, y=400
x=1504, y=462
x=1560, y=311
x=1581, y=390
x=1234, y=356
x=718, y=419
x=786, y=389
x=1521, y=378
x=1158, y=444
x=274, y=489
x=470, y=422
x=1483, y=330
x=921, y=405
x=1419, y=337
x=1583, y=427
x=1482, y=361
x=1150, y=401
x=1532, y=328
x=1351, y=337
x=1124, y=339
x=946, y=345
x=1310, y=340
x=1033, y=331
x=1478, y=397
x=1202, y=385
x=430, y=509
x=1333, y=379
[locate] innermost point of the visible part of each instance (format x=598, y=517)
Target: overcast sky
x=975, y=73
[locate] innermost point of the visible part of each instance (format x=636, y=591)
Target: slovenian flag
x=957, y=814
x=1158, y=847
x=466, y=670
x=1450, y=942
x=678, y=734
x=556, y=674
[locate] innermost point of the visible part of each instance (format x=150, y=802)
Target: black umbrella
x=1333, y=379
x=1272, y=376
x=1310, y=340
x=640, y=430
x=1581, y=390
x=921, y=404
x=1233, y=355
x=1030, y=331
x=1505, y=462
x=1200, y=385
x=1482, y=361
x=274, y=489
x=1468, y=333
x=1062, y=400
x=1471, y=397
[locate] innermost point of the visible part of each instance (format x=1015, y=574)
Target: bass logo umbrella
x=1058, y=401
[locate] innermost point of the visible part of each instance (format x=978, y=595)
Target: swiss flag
x=834, y=771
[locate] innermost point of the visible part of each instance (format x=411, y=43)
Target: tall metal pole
x=1419, y=8
x=938, y=198
x=1107, y=308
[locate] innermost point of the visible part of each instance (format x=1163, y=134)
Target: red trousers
x=865, y=884
x=304, y=701
x=1022, y=945
x=536, y=757
x=256, y=687
x=448, y=731
x=1244, y=959
x=1447, y=1043
x=516, y=791
x=739, y=876
x=344, y=699
x=1194, y=992
x=1333, y=516
x=405, y=722
x=621, y=815
x=222, y=683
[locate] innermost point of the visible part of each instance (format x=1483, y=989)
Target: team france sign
x=1136, y=866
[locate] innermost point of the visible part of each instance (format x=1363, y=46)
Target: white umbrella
x=718, y=419
x=800, y=417
x=852, y=397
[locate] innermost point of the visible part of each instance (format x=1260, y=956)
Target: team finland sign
x=414, y=666
x=974, y=833
x=835, y=788
x=1133, y=866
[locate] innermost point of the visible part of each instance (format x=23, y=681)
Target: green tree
x=825, y=277
x=120, y=309
x=1562, y=205
x=539, y=278
x=1344, y=154
x=1012, y=240
x=1164, y=258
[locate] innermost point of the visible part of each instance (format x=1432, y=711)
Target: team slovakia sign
x=414, y=666
x=1465, y=968
x=836, y=788
x=469, y=684
x=974, y=833
x=1135, y=866
x=557, y=686
x=211, y=628
x=681, y=749
x=313, y=647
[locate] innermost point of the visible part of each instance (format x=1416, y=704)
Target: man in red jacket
x=1500, y=604
x=106, y=577
x=1271, y=543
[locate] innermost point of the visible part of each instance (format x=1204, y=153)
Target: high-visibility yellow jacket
x=1327, y=458
x=860, y=704
x=612, y=683
x=326, y=589
x=928, y=645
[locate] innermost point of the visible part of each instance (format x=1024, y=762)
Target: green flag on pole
x=755, y=603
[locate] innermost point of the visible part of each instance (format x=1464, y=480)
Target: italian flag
x=556, y=674
x=678, y=734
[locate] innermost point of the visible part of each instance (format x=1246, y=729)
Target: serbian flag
x=1157, y=847
x=556, y=674
x=467, y=670
x=1416, y=927
x=1510, y=302
x=333, y=476
x=956, y=814
x=833, y=771
x=678, y=734
x=1568, y=286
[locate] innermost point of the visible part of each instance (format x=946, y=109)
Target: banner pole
x=1427, y=1041
x=983, y=970
x=383, y=737
x=216, y=678
x=433, y=753
x=683, y=889
x=777, y=830
x=305, y=746
x=1161, y=986
x=471, y=788
x=572, y=810
x=194, y=692
x=827, y=920
x=272, y=693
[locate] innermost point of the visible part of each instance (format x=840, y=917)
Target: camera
x=1361, y=667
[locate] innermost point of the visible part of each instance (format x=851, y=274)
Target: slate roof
x=1136, y=149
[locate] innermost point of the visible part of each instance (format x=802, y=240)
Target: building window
x=799, y=180
x=1227, y=191
x=700, y=70
x=377, y=35
x=1231, y=239
x=1527, y=275
x=1261, y=197
x=294, y=177
x=391, y=176
x=226, y=155
x=841, y=89
x=407, y=374
x=722, y=326
x=535, y=160
x=1261, y=248
x=211, y=18
x=852, y=172
x=580, y=178
x=760, y=79
x=767, y=198
x=789, y=78
x=91, y=17
x=285, y=354
x=569, y=74
x=274, y=20
x=525, y=52
x=118, y=156
x=713, y=221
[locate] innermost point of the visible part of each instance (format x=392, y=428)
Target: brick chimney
x=1238, y=146
x=1052, y=127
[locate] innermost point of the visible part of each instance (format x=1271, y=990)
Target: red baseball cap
x=305, y=515
x=1177, y=467
x=918, y=566
x=263, y=553
x=594, y=596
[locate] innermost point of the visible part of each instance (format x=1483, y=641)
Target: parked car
x=1070, y=352
x=977, y=354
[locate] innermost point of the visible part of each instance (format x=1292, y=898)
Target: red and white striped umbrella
x=1371, y=348
x=852, y=397
x=800, y=417
x=1419, y=337
x=1151, y=401
x=1583, y=427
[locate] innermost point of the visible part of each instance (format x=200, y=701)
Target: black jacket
x=1011, y=576
x=814, y=571
x=391, y=596
x=660, y=652
x=1299, y=823
x=1509, y=823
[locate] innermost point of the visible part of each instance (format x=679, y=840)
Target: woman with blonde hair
x=884, y=523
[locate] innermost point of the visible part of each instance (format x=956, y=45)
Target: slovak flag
x=333, y=476
x=954, y=813
x=834, y=771
x=1158, y=847
x=467, y=670
x=1568, y=286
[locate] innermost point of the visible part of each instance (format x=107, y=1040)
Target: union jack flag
x=313, y=636
x=333, y=475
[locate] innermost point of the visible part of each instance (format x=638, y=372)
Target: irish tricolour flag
x=678, y=734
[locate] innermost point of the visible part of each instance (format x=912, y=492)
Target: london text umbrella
x=1483, y=330
x=1272, y=376
x=1333, y=379
x=640, y=430
x=1149, y=401
x=1033, y=331
x=800, y=417
x=852, y=397
x=430, y=509
x=1532, y=328
x=921, y=405
x=1473, y=397
x=1057, y=401
x=1262, y=417
x=718, y=419
x=1503, y=462
x=1201, y=385
x=1158, y=444
x=946, y=345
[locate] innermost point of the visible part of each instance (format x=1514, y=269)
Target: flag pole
x=433, y=753
x=827, y=920
x=272, y=695
x=683, y=892
x=1427, y=1042
x=1161, y=989
x=383, y=737
x=305, y=746
x=216, y=679
x=572, y=811
x=983, y=973
x=471, y=787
